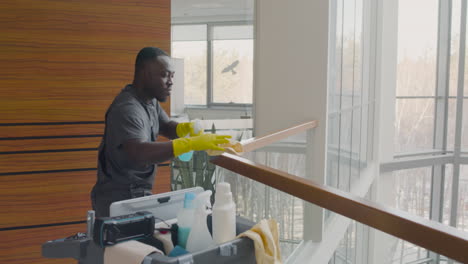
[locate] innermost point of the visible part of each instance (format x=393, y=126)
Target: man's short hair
x=147, y=54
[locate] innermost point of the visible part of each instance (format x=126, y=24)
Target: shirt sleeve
x=125, y=123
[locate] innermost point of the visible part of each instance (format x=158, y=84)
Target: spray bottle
x=197, y=127
x=224, y=214
x=200, y=237
x=185, y=219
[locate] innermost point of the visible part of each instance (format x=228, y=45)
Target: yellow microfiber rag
x=233, y=147
x=266, y=241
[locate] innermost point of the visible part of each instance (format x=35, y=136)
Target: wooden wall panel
x=46, y=198
x=21, y=131
x=49, y=144
x=66, y=60
x=16, y=163
x=24, y=245
x=162, y=181
x=61, y=65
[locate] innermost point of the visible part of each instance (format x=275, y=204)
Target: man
x=128, y=153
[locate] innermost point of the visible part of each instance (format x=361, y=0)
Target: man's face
x=158, y=78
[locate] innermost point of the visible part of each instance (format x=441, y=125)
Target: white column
x=290, y=83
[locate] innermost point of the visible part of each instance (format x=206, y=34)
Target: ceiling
x=185, y=11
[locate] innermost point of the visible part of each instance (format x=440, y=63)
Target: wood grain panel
x=66, y=60
x=24, y=245
x=49, y=144
x=162, y=182
x=54, y=197
x=45, y=198
x=12, y=163
x=51, y=130
x=54, y=143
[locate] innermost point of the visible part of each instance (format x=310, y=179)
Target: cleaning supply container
x=185, y=219
x=200, y=238
x=224, y=214
x=164, y=207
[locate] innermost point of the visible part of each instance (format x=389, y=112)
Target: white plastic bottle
x=224, y=214
x=200, y=237
x=185, y=219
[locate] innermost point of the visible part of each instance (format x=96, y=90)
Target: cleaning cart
x=164, y=207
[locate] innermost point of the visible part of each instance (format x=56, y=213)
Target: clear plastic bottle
x=224, y=214
x=185, y=219
x=200, y=237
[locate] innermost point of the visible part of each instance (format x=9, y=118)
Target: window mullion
x=209, y=66
x=441, y=109
x=459, y=118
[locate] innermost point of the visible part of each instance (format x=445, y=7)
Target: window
x=190, y=43
x=218, y=62
x=430, y=114
x=350, y=96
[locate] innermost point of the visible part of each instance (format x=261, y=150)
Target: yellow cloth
x=266, y=241
x=233, y=147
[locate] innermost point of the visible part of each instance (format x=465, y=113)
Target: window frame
x=210, y=104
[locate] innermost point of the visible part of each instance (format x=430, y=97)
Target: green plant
x=199, y=171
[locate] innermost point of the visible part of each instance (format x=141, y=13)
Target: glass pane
x=347, y=83
x=344, y=167
x=406, y=252
x=412, y=191
x=233, y=32
x=334, y=91
x=462, y=215
x=194, y=54
x=465, y=92
x=455, y=47
x=232, y=71
x=447, y=194
x=355, y=146
x=333, y=150
x=189, y=32
x=464, y=139
x=257, y=201
x=414, y=125
x=358, y=63
x=365, y=124
x=417, y=47
x=452, y=115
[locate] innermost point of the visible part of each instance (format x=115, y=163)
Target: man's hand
x=202, y=142
x=209, y=141
x=188, y=128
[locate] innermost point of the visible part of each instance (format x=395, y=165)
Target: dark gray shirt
x=128, y=117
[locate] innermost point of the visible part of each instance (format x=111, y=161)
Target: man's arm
x=145, y=153
x=169, y=129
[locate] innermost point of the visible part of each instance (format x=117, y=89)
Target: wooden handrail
x=256, y=143
x=433, y=236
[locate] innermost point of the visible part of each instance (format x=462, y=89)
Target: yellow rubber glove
x=202, y=142
x=188, y=128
